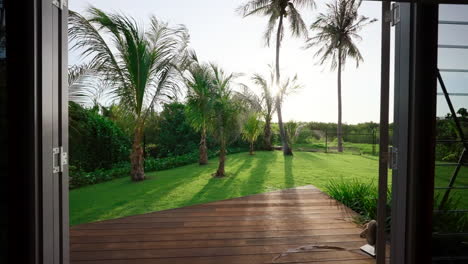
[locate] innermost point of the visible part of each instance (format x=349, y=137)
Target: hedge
x=79, y=178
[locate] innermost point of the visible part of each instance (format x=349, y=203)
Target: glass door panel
x=450, y=217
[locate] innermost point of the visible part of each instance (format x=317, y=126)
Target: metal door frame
x=415, y=111
x=38, y=124
x=32, y=140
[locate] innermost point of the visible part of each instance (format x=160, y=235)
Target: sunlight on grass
x=193, y=184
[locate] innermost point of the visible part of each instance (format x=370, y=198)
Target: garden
x=154, y=127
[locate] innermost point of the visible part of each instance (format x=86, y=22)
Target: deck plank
x=298, y=225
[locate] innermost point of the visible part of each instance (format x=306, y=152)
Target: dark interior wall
x=20, y=179
x=3, y=138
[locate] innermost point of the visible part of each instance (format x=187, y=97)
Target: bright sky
x=220, y=35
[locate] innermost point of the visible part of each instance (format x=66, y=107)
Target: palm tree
x=267, y=104
x=85, y=87
x=337, y=30
x=252, y=129
x=293, y=129
x=141, y=66
x=199, y=82
x=277, y=10
x=287, y=87
x=225, y=118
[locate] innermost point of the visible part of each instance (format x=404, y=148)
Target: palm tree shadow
x=123, y=208
x=256, y=180
x=214, y=184
x=288, y=171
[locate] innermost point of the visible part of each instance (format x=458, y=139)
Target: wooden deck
x=300, y=225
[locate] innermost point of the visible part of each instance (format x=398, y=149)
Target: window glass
x=450, y=218
x=3, y=126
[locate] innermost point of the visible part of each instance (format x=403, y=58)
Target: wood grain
x=299, y=225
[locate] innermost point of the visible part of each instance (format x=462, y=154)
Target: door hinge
x=59, y=160
x=60, y=3
x=395, y=14
x=393, y=158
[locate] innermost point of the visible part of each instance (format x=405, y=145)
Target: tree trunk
x=222, y=159
x=339, y=129
x=267, y=134
x=251, y=150
x=278, y=44
x=284, y=141
x=286, y=149
x=203, y=150
x=136, y=157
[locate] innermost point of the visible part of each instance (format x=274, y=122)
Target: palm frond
x=276, y=9
x=288, y=87
x=254, y=7
x=141, y=66
x=297, y=25
x=267, y=98
x=337, y=33
x=86, y=36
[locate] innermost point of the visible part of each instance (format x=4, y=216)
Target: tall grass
x=360, y=196
x=447, y=222
x=449, y=218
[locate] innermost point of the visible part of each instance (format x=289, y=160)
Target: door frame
x=30, y=156
x=37, y=123
x=414, y=136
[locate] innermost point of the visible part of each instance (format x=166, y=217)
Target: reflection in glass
x=450, y=218
x=3, y=133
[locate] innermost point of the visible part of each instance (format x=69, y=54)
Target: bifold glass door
x=54, y=129
x=450, y=216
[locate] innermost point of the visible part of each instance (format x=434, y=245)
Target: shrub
x=173, y=134
x=79, y=178
x=151, y=150
x=95, y=141
x=449, y=220
x=360, y=197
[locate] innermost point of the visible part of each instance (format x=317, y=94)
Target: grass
x=193, y=184
x=349, y=147
x=443, y=175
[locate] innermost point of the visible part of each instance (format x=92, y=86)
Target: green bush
x=172, y=134
x=445, y=128
x=95, y=141
x=360, y=197
x=151, y=150
x=448, y=220
x=79, y=178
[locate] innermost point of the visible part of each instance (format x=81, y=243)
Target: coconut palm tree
x=226, y=115
x=140, y=65
x=267, y=104
x=251, y=130
x=336, y=34
x=199, y=81
x=288, y=87
x=277, y=11
x=85, y=87
x=293, y=129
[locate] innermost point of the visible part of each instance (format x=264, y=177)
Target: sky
x=220, y=35
x=453, y=58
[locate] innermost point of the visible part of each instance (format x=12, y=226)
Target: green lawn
x=348, y=147
x=192, y=184
x=443, y=175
